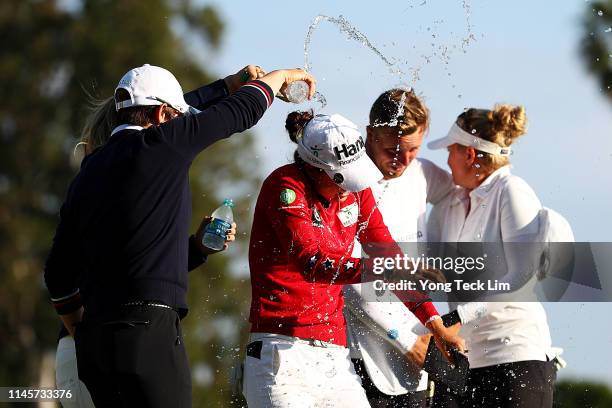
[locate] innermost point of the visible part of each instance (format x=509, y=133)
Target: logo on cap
x=315, y=150
x=347, y=151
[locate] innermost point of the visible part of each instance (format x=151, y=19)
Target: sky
x=522, y=52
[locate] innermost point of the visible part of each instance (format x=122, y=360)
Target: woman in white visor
x=509, y=342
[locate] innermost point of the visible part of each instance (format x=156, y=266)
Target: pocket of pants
x=127, y=322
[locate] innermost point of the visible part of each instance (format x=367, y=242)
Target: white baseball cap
x=334, y=144
x=150, y=85
x=460, y=136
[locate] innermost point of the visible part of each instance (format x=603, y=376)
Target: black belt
x=150, y=304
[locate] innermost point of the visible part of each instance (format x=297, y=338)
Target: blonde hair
x=386, y=111
x=99, y=124
x=502, y=125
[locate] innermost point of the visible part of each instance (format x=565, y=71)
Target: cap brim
x=358, y=175
x=441, y=143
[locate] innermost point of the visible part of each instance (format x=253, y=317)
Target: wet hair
x=386, y=111
x=501, y=125
x=295, y=124
x=99, y=124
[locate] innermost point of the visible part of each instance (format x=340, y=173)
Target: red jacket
x=300, y=256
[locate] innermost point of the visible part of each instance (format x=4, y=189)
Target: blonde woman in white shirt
x=509, y=342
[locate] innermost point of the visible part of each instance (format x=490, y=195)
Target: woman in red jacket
x=307, y=216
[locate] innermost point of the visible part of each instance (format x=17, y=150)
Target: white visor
x=460, y=136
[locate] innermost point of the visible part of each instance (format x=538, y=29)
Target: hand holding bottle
x=217, y=231
x=280, y=79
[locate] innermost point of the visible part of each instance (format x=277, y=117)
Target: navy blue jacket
x=123, y=231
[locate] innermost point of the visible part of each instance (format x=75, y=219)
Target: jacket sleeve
x=63, y=265
x=519, y=233
x=206, y=96
x=377, y=241
x=190, y=134
x=195, y=257
x=439, y=182
x=292, y=220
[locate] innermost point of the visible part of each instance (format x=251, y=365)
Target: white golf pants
x=284, y=371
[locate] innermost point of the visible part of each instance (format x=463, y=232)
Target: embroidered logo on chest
x=316, y=218
x=349, y=214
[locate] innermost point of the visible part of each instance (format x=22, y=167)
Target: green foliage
x=596, y=44
x=50, y=57
x=582, y=394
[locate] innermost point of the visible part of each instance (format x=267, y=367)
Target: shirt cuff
x=265, y=90
x=67, y=304
x=196, y=257
x=424, y=311
x=403, y=340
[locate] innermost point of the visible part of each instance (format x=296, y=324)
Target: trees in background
x=582, y=394
x=596, y=46
x=52, y=54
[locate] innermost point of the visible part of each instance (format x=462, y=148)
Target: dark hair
x=134, y=115
x=295, y=124
x=386, y=111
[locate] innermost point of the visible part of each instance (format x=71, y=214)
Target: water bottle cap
x=228, y=202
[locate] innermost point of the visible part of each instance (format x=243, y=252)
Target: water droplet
x=600, y=13
x=477, y=165
x=608, y=30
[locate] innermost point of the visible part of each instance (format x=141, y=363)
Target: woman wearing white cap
x=307, y=216
x=119, y=262
x=509, y=342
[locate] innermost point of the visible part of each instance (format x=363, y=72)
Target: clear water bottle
x=297, y=91
x=216, y=232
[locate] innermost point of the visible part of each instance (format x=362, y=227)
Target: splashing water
x=398, y=115
x=351, y=32
x=441, y=51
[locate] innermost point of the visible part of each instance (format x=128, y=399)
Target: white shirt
x=382, y=332
x=502, y=209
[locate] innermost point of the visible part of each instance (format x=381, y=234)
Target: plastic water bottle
x=216, y=232
x=297, y=91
